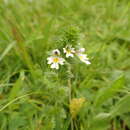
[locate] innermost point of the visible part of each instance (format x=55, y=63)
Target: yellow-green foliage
x=75, y=106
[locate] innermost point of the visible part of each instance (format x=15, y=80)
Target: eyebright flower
x=69, y=51
x=55, y=60
x=83, y=57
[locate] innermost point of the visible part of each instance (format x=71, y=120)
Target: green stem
x=69, y=85
x=70, y=92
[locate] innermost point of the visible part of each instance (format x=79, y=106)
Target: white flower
x=83, y=57
x=69, y=51
x=55, y=61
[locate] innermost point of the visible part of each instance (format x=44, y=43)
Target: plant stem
x=70, y=91
x=69, y=85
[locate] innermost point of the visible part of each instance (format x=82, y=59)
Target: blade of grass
x=6, y=51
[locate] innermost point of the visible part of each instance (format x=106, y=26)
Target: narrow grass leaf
x=16, y=87
x=14, y=100
x=6, y=51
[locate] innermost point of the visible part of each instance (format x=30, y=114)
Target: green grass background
x=34, y=97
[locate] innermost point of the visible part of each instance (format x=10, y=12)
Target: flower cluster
x=55, y=59
x=75, y=106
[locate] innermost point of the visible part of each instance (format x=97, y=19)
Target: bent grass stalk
x=14, y=101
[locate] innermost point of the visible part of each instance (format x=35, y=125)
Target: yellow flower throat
x=56, y=60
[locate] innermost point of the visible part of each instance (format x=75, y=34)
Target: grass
x=35, y=97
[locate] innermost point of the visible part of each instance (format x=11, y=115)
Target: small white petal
x=87, y=62
x=56, y=51
x=69, y=55
x=82, y=49
x=73, y=50
x=61, y=61
x=83, y=58
x=50, y=60
x=55, y=65
x=64, y=50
